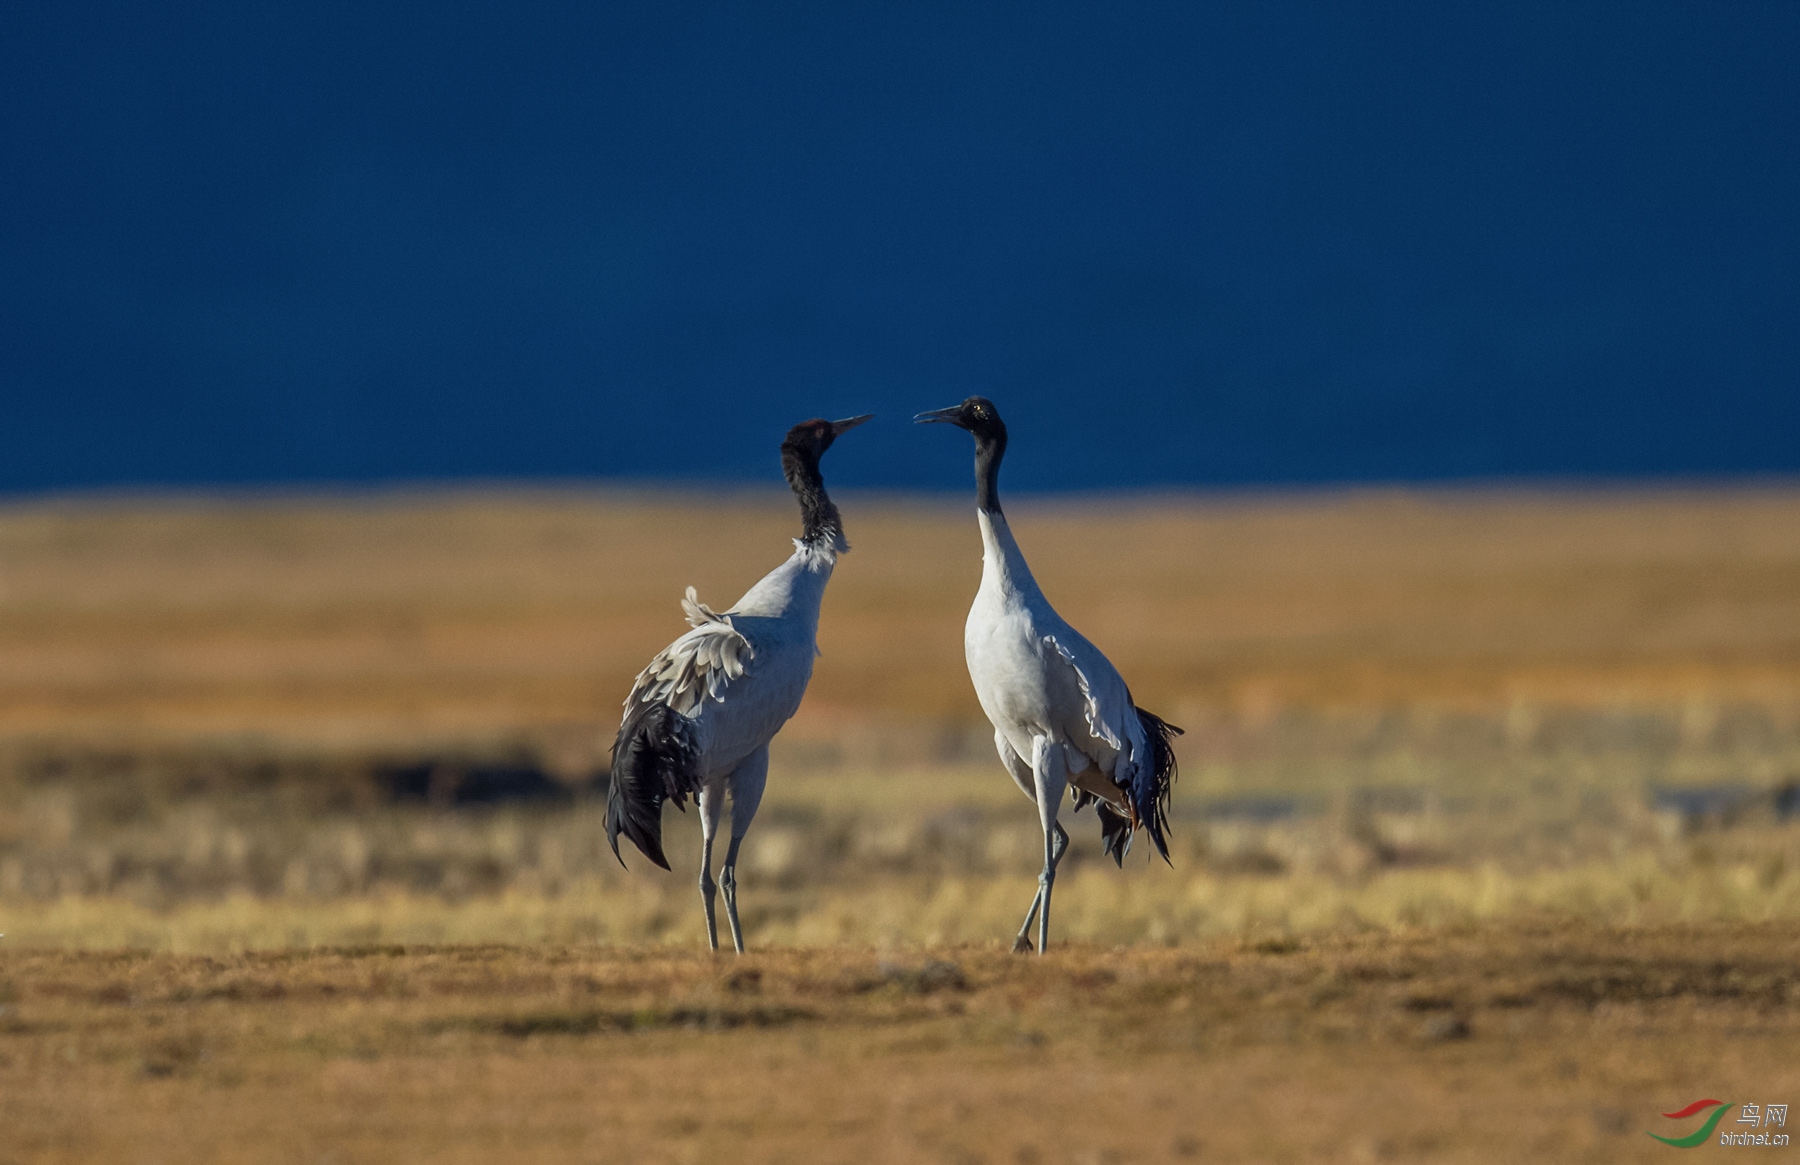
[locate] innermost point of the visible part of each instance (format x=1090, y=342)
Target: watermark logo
x=1757, y=1116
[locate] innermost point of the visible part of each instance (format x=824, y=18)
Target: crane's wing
x=1143, y=764
x=656, y=757
x=697, y=666
x=698, y=613
x=1106, y=702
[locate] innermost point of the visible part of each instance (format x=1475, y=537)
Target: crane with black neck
x=699, y=719
x=1063, y=717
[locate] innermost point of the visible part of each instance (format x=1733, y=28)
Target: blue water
x=1178, y=244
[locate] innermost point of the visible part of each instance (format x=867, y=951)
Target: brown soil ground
x=1525, y=1042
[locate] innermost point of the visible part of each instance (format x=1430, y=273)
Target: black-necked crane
x=1062, y=714
x=699, y=719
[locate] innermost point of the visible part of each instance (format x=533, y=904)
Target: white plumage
x=1036, y=676
x=700, y=717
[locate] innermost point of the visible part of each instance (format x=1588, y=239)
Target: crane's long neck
x=1003, y=565
x=989, y=449
x=820, y=525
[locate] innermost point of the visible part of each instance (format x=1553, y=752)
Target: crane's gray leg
x=712, y=803
x=1060, y=841
x=728, y=880
x=1016, y=768
x=1050, y=772
x=1021, y=775
x=747, y=782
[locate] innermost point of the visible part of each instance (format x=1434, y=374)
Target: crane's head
x=977, y=414
x=800, y=453
x=809, y=439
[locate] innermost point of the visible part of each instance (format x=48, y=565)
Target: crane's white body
x=1043, y=686
x=738, y=677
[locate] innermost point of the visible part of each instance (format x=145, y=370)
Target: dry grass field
x=465, y=617
x=1551, y=1042
x=1487, y=840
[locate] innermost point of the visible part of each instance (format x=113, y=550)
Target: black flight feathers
x=1149, y=801
x=1149, y=807
x=655, y=759
x=1150, y=798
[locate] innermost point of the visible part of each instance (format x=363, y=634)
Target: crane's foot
x=1022, y=946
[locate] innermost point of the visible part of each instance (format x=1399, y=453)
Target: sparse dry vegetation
x=1550, y=1042
x=470, y=618
x=1487, y=838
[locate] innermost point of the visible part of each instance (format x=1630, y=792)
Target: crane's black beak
x=839, y=428
x=949, y=416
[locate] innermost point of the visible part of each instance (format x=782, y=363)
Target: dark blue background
x=1177, y=243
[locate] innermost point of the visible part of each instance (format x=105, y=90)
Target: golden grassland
x=467, y=616
x=1486, y=846
x=1542, y=1042
x=938, y=855
x=1401, y=707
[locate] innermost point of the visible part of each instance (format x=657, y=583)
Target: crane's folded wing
x=697, y=666
x=1109, y=714
x=1141, y=763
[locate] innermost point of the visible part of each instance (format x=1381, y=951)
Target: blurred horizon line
x=402, y=489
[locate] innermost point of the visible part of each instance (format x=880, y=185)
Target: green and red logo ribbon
x=1704, y=1131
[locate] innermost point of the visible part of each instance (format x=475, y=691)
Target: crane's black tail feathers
x=1115, y=832
x=1150, y=792
x=655, y=759
x=1115, y=827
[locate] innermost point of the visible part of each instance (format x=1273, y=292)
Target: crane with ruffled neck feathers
x=1063, y=717
x=699, y=719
